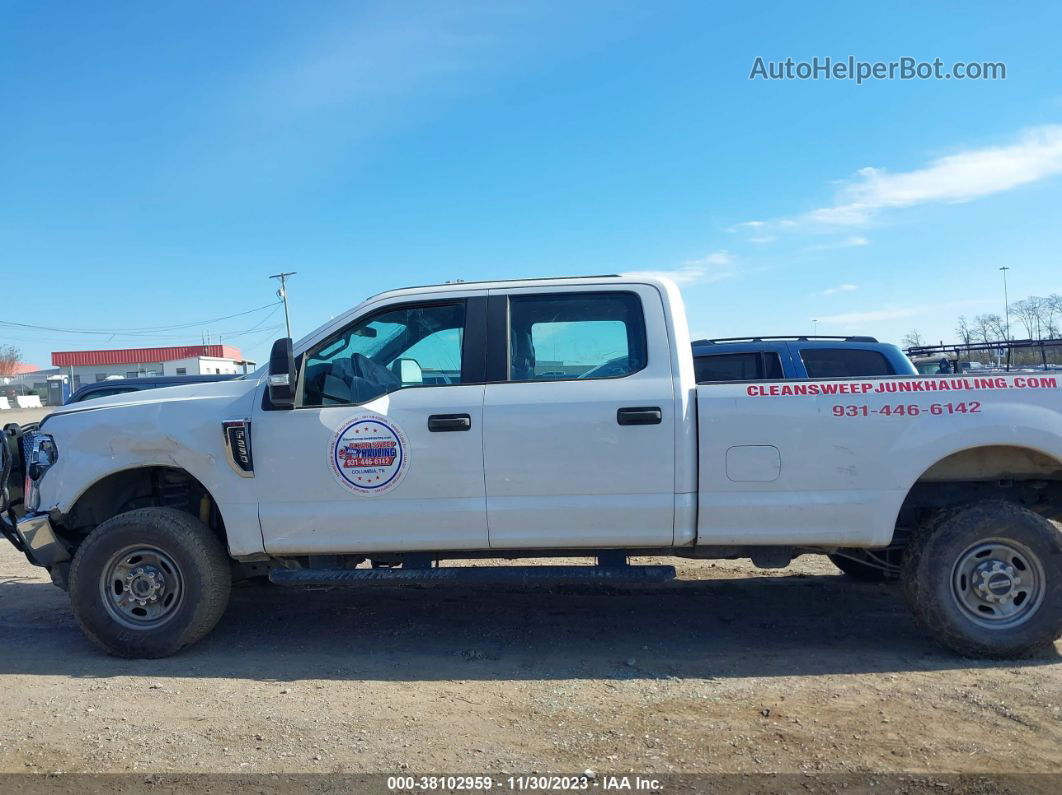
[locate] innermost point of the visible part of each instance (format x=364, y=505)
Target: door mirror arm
x=281, y=378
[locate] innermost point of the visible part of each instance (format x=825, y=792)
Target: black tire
x=192, y=568
x=865, y=572
x=947, y=605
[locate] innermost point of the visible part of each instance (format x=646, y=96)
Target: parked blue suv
x=782, y=358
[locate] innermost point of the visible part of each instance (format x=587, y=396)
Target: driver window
x=393, y=349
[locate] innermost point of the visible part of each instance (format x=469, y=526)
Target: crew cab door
x=384, y=448
x=579, y=418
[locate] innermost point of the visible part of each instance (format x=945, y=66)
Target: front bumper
x=39, y=542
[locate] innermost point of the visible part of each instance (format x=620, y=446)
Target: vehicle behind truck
x=765, y=358
x=557, y=417
x=777, y=358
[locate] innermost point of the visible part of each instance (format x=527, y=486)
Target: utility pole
x=1006, y=300
x=282, y=294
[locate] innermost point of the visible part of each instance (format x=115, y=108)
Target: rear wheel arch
x=1019, y=474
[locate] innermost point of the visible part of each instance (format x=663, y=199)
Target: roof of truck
x=543, y=281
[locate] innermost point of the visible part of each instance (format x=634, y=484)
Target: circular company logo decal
x=370, y=455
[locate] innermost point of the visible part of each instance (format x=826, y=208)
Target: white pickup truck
x=556, y=417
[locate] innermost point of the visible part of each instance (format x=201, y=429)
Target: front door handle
x=639, y=415
x=440, y=423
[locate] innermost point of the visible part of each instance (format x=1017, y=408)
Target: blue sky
x=159, y=161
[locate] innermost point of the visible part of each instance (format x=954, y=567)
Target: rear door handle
x=440, y=423
x=639, y=415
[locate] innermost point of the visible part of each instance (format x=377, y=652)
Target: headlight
x=41, y=453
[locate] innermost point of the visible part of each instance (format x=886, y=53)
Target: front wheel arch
x=140, y=487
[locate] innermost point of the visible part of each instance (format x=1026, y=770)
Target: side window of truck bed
x=565, y=336
x=751, y=366
x=844, y=363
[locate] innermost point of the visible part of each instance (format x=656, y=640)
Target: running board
x=475, y=575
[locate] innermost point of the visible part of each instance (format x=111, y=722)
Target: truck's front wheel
x=986, y=580
x=149, y=582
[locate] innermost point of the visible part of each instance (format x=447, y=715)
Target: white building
x=86, y=367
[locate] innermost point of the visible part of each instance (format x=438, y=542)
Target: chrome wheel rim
x=142, y=587
x=998, y=583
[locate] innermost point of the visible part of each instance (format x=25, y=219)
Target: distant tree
x=989, y=328
x=1052, y=315
x=1054, y=303
x=10, y=356
x=1032, y=312
x=912, y=339
x=963, y=331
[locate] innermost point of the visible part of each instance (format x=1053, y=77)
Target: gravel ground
x=729, y=669
x=22, y=416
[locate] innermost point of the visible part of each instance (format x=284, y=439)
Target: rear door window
x=844, y=363
x=753, y=366
x=575, y=336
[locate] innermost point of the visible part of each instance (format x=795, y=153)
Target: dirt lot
x=22, y=416
x=728, y=670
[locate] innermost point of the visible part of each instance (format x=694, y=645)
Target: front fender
x=179, y=432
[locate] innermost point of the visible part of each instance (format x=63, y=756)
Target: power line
x=253, y=328
x=143, y=331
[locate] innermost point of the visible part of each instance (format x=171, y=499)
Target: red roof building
x=144, y=355
x=85, y=367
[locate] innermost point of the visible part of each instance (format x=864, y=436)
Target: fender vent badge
x=237, y=435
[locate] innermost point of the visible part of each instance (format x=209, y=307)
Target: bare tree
x=1051, y=314
x=1031, y=312
x=912, y=339
x=10, y=356
x=963, y=331
x=989, y=328
x=1054, y=303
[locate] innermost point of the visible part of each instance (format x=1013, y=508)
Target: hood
x=232, y=389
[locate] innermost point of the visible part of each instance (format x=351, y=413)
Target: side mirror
x=281, y=378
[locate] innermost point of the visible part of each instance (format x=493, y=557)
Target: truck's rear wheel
x=149, y=582
x=986, y=580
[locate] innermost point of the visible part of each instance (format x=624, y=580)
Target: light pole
x=1006, y=300
x=814, y=327
x=282, y=294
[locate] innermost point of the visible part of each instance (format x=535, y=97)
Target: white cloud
x=972, y=174
x=848, y=242
x=1034, y=155
x=873, y=316
x=841, y=288
x=715, y=258
x=714, y=267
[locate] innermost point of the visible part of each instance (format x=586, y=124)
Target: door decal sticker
x=369, y=455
